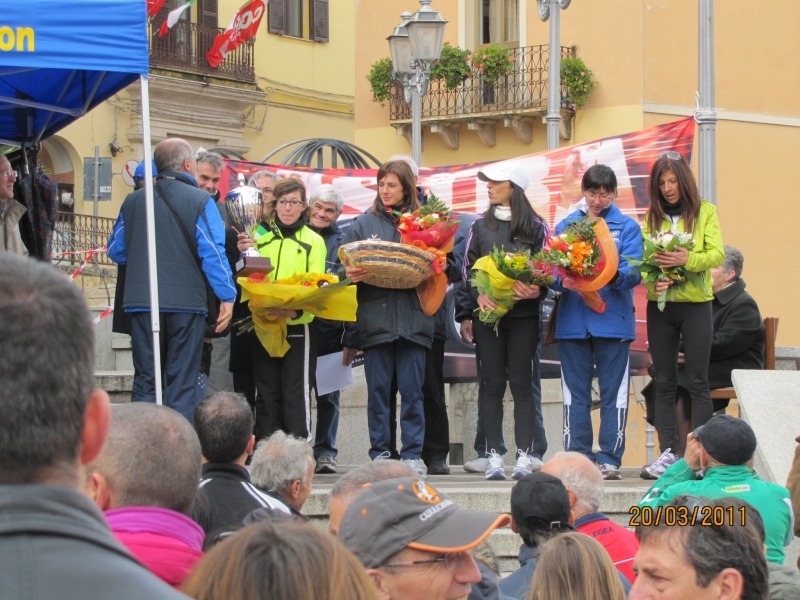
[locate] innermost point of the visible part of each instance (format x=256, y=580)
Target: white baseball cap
x=505, y=171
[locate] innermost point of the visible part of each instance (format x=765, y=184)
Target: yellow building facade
x=644, y=56
x=286, y=85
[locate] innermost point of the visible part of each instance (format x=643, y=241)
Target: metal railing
x=523, y=88
x=80, y=234
x=185, y=47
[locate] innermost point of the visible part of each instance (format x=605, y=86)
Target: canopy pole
x=151, y=237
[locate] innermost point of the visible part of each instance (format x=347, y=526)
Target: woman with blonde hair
x=574, y=566
x=280, y=560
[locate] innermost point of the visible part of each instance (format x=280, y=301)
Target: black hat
x=386, y=517
x=727, y=440
x=540, y=502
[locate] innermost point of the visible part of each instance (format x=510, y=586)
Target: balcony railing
x=185, y=47
x=524, y=89
x=80, y=234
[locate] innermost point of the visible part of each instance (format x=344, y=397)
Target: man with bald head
x=190, y=238
x=585, y=488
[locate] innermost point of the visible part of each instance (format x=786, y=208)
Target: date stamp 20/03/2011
x=681, y=516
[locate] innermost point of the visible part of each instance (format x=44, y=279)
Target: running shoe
x=661, y=464
x=610, y=472
x=415, y=464
x=495, y=470
x=479, y=465
x=325, y=464
x=526, y=464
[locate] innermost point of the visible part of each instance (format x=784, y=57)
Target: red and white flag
x=153, y=6
x=243, y=27
x=172, y=18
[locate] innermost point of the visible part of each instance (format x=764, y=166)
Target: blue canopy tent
x=58, y=60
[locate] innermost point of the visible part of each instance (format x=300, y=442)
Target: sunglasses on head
x=671, y=154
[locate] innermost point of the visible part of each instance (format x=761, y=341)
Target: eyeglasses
x=671, y=154
x=451, y=560
x=198, y=154
x=603, y=197
x=14, y=174
x=292, y=203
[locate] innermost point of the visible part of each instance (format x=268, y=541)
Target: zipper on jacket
x=276, y=230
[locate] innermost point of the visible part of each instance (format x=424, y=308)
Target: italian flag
x=173, y=18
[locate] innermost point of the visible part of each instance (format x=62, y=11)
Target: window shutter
x=208, y=12
x=277, y=16
x=162, y=13
x=319, y=21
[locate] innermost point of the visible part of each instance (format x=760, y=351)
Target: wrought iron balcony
x=76, y=235
x=522, y=91
x=185, y=47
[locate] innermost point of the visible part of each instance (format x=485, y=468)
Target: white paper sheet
x=332, y=375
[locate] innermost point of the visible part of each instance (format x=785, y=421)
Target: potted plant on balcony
x=380, y=80
x=576, y=82
x=453, y=66
x=493, y=62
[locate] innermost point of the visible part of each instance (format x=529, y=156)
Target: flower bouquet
x=496, y=274
x=586, y=255
x=432, y=228
x=320, y=294
x=664, y=241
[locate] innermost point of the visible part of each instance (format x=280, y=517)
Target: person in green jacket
x=675, y=205
x=283, y=384
x=723, y=449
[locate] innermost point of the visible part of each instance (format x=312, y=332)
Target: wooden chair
x=771, y=325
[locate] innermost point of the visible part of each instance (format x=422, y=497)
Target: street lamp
x=415, y=45
x=549, y=9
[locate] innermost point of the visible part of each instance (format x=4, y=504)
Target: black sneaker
x=438, y=467
x=325, y=464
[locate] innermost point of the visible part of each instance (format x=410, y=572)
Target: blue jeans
x=327, y=425
x=539, y=436
x=181, y=344
x=613, y=366
x=381, y=362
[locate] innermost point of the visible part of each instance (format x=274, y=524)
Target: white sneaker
x=383, y=456
x=479, y=465
x=661, y=464
x=495, y=470
x=526, y=464
x=415, y=464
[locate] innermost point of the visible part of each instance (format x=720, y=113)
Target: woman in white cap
x=506, y=354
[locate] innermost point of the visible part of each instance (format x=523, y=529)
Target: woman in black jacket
x=393, y=330
x=506, y=354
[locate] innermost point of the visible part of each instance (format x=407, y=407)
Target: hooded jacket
x=11, y=212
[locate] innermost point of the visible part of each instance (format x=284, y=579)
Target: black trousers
x=506, y=355
x=692, y=323
x=283, y=385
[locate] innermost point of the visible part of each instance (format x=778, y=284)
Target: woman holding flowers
x=506, y=348
x=283, y=384
x=587, y=337
x=676, y=207
x=392, y=329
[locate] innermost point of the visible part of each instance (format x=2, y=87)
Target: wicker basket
x=390, y=265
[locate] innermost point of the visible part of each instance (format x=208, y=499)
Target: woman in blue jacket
x=587, y=338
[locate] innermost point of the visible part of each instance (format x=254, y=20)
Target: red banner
x=555, y=175
x=243, y=26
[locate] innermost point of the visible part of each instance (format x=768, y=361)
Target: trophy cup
x=245, y=207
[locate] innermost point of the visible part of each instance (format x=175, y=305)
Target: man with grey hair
x=191, y=256
x=145, y=481
x=11, y=211
x=585, y=488
x=283, y=467
x=325, y=207
x=265, y=180
x=54, y=541
x=349, y=484
x=209, y=172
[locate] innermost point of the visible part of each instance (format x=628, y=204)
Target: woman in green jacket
x=283, y=384
x=675, y=204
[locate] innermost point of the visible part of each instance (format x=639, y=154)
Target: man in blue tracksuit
x=587, y=338
x=190, y=236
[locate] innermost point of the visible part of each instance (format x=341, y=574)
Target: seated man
x=283, y=467
x=584, y=484
x=54, y=541
x=699, y=562
x=723, y=449
x=415, y=542
x=738, y=343
x=145, y=480
x=224, y=426
x=540, y=511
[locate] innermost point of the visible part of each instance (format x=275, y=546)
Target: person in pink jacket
x=145, y=480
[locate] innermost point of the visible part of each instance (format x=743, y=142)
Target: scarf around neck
x=502, y=213
x=672, y=210
x=151, y=519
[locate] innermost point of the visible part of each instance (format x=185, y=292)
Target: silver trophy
x=245, y=207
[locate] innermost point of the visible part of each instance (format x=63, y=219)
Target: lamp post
x=706, y=114
x=549, y=9
x=415, y=45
